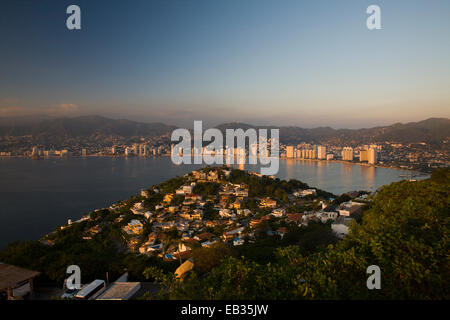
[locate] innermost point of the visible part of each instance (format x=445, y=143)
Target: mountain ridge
x=432, y=130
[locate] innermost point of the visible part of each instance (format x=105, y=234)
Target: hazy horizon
x=307, y=64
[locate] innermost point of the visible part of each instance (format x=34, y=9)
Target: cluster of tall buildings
x=140, y=149
x=136, y=149
x=307, y=152
x=37, y=152
x=366, y=154
x=254, y=149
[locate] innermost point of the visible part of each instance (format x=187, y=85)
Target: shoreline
x=359, y=164
x=417, y=173
x=137, y=159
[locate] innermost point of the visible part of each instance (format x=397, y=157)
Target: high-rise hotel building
x=347, y=154
x=290, y=152
x=321, y=152
x=373, y=156
x=364, y=155
x=370, y=155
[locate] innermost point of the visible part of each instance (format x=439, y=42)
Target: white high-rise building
x=312, y=153
x=347, y=154
x=290, y=152
x=364, y=155
x=373, y=156
x=321, y=152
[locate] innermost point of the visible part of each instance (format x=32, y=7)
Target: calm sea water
x=37, y=196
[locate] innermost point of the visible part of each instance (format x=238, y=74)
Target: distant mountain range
x=434, y=131
x=85, y=127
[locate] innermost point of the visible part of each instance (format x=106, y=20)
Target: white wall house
x=341, y=226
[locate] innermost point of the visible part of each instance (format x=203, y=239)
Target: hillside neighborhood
x=206, y=206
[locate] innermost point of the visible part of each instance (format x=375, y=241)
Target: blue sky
x=289, y=62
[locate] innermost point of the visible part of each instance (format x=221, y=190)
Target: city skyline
x=303, y=64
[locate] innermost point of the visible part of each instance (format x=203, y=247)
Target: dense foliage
x=206, y=188
x=268, y=187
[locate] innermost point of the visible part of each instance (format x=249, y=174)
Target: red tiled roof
x=294, y=217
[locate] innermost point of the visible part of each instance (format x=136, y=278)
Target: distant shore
x=378, y=165
x=359, y=164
